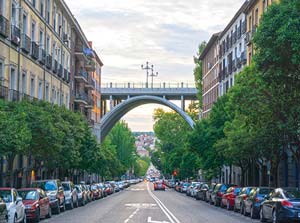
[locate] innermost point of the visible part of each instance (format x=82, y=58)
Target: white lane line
x=167, y=212
x=132, y=215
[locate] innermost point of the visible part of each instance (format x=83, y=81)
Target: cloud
x=127, y=33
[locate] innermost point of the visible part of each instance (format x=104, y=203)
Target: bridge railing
x=145, y=86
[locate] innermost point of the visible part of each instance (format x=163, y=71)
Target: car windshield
x=186, y=184
x=45, y=185
x=28, y=194
x=94, y=187
x=223, y=188
x=292, y=194
x=66, y=186
x=264, y=191
x=6, y=196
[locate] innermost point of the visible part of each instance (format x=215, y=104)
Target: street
x=140, y=204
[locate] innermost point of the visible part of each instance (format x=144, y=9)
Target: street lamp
x=147, y=68
x=153, y=75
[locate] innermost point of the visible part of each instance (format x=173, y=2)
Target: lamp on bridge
x=153, y=75
x=147, y=68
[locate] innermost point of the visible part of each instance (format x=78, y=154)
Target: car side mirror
x=19, y=199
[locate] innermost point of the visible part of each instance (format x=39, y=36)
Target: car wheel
x=15, y=219
x=274, y=217
x=72, y=204
x=228, y=205
x=221, y=204
x=234, y=208
x=252, y=215
x=241, y=209
x=244, y=211
x=261, y=214
x=49, y=215
x=76, y=204
x=57, y=209
x=63, y=209
x=38, y=216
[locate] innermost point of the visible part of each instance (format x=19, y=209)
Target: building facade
x=232, y=51
x=210, y=70
x=44, y=55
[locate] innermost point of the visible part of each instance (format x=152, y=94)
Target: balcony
x=60, y=70
x=81, y=76
x=25, y=43
x=91, y=84
x=15, y=35
x=42, y=56
x=14, y=95
x=248, y=38
x=34, y=50
x=3, y=92
x=55, y=66
x=90, y=104
x=49, y=62
x=90, y=65
x=80, y=54
x=81, y=98
x=68, y=78
x=4, y=27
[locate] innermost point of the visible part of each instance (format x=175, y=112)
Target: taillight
x=285, y=203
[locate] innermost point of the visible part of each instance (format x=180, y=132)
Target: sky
x=167, y=33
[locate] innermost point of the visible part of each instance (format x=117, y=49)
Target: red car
x=37, y=203
x=229, y=196
x=158, y=185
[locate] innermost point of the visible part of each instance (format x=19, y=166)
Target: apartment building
x=232, y=50
x=254, y=11
x=210, y=69
x=44, y=55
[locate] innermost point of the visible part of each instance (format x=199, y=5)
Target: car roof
x=23, y=189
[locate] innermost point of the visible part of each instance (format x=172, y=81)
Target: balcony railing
x=15, y=35
x=91, y=84
x=42, y=56
x=81, y=97
x=243, y=57
x=55, y=66
x=90, y=65
x=4, y=26
x=68, y=78
x=25, y=43
x=82, y=75
x=248, y=38
x=65, y=76
x=49, y=62
x=34, y=50
x=14, y=95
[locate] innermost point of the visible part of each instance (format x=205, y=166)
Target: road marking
x=167, y=212
x=132, y=215
x=150, y=221
x=141, y=206
x=137, y=189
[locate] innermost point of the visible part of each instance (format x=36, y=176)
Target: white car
x=14, y=205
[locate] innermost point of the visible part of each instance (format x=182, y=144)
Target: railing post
x=181, y=84
x=128, y=85
x=164, y=85
x=110, y=84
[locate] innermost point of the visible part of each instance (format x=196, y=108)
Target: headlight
x=28, y=207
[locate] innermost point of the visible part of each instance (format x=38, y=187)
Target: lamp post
x=153, y=75
x=147, y=68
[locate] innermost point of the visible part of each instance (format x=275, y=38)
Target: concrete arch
x=111, y=118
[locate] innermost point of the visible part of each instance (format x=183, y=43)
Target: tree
x=198, y=72
x=15, y=134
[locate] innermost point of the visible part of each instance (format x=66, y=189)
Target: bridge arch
x=110, y=119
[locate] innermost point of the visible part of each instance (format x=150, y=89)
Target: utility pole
x=147, y=68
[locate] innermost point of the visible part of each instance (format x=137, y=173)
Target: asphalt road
x=140, y=204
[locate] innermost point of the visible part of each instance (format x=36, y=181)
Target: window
x=62, y=99
x=48, y=45
x=24, y=83
x=33, y=31
x=48, y=7
x=12, y=84
x=42, y=7
x=47, y=92
x=57, y=98
x=34, y=3
x=2, y=7
x=53, y=95
x=32, y=87
x=41, y=41
x=14, y=14
x=1, y=71
x=40, y=90
x=54, y=17
x=256, y=17
x=25, y=24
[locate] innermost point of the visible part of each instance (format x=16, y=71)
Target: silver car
x=71, y=195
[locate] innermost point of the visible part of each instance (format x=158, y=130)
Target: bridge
x=124, y=97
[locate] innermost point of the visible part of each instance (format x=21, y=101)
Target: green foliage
x=141, y=166
x=198, y=72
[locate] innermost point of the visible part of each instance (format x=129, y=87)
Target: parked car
x=253, y=202
x=158, y=185
x=54, y=191
x=281, y=204
x=3, y=212
x=108, y=189
x=101, y=185
x=209, y=192
x=37, y=203
x=89, y=193
x=97, y=194
x=201, y=194
x=195, y=189
x=229, y=196
x=71, y=196
x=178, y=186
x=14, y=205
x=218, y=192
x=184, y=187
x=191, y=187
x=82, y=196
x=240, y=199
